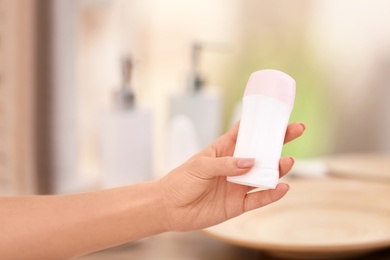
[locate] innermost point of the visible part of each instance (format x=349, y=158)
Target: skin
x=193, y=196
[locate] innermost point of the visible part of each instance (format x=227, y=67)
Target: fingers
x=208, y=168
x=230, y=166
x=225, y=144
x=259, y=199
x=293, y=131
x=231, y=134
x=285, y=165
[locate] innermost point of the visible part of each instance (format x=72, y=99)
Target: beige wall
x=352, y=40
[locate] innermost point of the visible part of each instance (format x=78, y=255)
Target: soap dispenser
x=202, y=107
x=126, y=143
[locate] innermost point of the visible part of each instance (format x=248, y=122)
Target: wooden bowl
x=318, y=219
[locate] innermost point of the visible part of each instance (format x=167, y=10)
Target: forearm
x=59, y=227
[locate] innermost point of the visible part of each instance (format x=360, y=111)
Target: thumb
x=208, y=167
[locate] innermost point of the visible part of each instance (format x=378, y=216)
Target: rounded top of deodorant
x=272, y=83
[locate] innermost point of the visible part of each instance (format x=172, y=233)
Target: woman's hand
x=197, y=195
x=193, y=196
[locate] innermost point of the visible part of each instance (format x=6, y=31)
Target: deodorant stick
x=267, y=104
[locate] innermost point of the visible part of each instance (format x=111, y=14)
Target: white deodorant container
x=267, y=104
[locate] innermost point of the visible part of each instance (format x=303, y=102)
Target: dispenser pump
x=124, y=98
x=195, y=79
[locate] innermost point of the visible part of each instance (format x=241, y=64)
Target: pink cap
x=272, y=83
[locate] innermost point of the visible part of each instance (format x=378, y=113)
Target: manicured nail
x=292, y=160
x=245, y=162
x=303, y=125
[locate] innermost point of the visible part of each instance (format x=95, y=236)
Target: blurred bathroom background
x=100, y=93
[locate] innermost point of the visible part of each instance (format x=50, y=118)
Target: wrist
x=150, y=209
x=164, y=208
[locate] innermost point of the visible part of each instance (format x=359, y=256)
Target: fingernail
x=288, y=186
x=303, y=125
x=292, y=160
x=245, y=162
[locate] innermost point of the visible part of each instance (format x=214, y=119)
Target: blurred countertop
x=192, y=246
